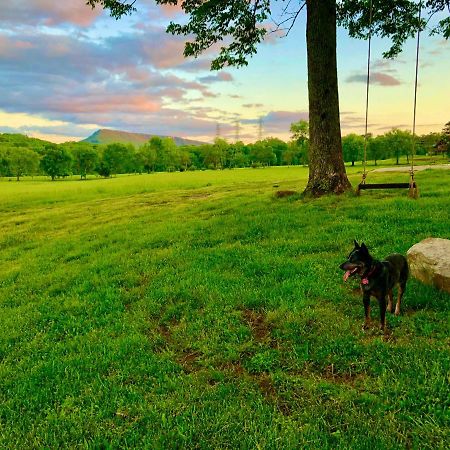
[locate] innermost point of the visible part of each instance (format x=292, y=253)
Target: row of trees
x=395, y=144
x=18, y=158
x=21, y=156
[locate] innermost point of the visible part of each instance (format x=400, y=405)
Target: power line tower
x=260, y=129
x=218, y=132
x=237, y=130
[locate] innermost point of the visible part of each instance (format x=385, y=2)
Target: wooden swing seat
x=411, y=186
x=365, y=186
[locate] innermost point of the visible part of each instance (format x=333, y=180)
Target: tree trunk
x=326, y=164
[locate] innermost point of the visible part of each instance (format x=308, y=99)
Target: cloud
x=252, y=105
x=196, y=65
x=47, y=12
x=115, y=82
x=378, y=78
x=277, y=121
x=219, y=77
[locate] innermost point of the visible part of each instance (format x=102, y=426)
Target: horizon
x=70, y=71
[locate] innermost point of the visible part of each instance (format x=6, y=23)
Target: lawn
x=196, y=310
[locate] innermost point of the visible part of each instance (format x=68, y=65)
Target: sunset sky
x=66, y=71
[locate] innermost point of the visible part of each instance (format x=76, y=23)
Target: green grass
x=195, y=310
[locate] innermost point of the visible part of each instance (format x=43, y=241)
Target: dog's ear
x=356, y=243
x=364, y=248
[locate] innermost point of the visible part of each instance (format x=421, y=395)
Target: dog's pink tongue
x=346, y=275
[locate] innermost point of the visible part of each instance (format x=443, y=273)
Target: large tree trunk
x=326, y=163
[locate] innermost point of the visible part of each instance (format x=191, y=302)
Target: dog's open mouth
x=350, y=273
x=350, y=270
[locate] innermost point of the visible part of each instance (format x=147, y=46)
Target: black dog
x=378, y=278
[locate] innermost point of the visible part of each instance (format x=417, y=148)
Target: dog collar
x=365, y=279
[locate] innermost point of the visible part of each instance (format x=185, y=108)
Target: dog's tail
x=404, y=273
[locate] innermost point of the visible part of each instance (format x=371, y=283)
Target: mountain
x=109, y=136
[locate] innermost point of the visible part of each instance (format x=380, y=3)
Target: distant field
x=195, y=310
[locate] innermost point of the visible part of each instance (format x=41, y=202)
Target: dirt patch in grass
x=188, y=360
x=165, y=332
x=234, y=368
x=271, y=395
x=349, y=378
x=260, y=328
x=262, y=380
x=283, y=194
x=198, y=196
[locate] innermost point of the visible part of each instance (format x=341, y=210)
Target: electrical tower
x=260, y=129
x=237, y=130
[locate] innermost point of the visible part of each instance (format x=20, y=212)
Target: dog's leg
x=382, y=302
x=401, y=291
x=390, y=300
x=366, y=301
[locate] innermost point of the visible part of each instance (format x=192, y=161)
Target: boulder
x=429, y=262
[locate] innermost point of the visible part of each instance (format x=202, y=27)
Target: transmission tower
x=237, y=130
x=260, y=129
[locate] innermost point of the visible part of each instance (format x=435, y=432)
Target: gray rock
x=429, y=262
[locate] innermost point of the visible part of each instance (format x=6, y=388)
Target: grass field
x=195, y=310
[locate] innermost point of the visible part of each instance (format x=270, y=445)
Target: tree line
x=20, y=155
x=395, y=144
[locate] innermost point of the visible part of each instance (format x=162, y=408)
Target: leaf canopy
x=238, y=26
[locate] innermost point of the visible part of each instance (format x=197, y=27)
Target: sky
x=67, y=71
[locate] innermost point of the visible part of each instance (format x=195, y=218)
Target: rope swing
x=412, y=185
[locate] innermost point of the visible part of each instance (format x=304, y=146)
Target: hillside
x=105, y=136
x=21, y=140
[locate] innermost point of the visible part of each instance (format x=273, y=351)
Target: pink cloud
x=48, y=12
x=167, y=53
x=106, y=103
x=382, y=79
x=171, y=11
x=11, y=47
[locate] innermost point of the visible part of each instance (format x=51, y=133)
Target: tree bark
x=326, y=165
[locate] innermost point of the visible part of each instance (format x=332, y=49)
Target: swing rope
x=413, y=190
x=415, y=97
x=367, y=92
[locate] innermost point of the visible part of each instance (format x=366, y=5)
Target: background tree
x=300, y=131
x=446, y=136
x=237, y=155
x=398, y=143
x=425, y=143
x=353, y=148
x=56, y=161
x=300, y=142
x=240, y=23
x=278, y=147
x=262, y=154
x=117, y=158
x=148, y=156
x=5, y=170
x=291, y=155
x=171, y=154
x=376, y=148
x=23, y=161
x=212, y=155
x=85, y=159
x=184, y=157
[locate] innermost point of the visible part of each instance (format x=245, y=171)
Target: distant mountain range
x=109, y=136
